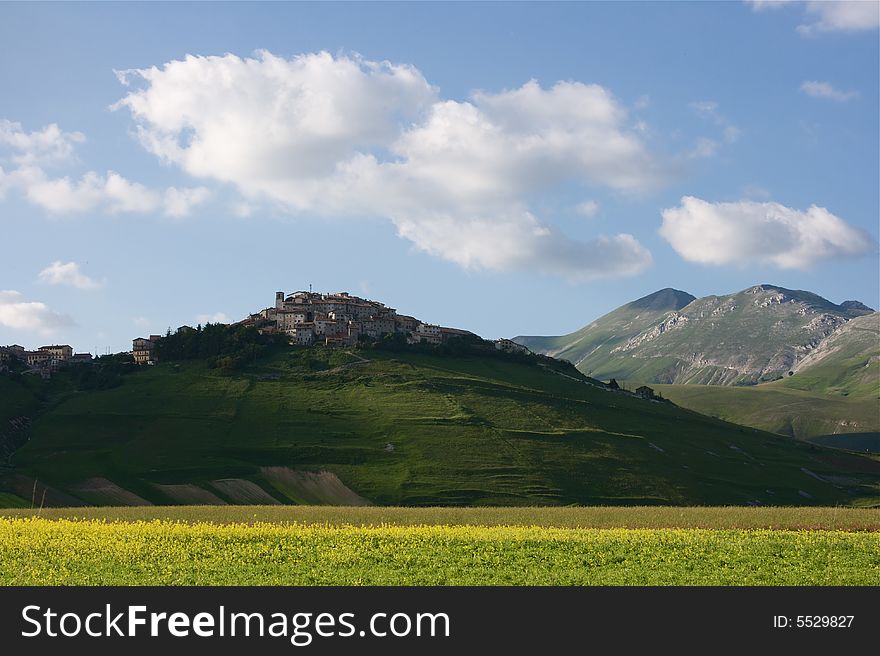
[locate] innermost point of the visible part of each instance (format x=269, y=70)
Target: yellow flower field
x=37, y=551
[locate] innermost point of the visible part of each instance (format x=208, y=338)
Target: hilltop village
x=336, y=320
x=307, y=318
x=45, y=361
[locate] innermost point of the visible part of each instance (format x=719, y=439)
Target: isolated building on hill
x=510, y=346
x=645, y=392
x=143, y=349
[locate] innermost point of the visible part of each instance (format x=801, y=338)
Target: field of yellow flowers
x=38, y=551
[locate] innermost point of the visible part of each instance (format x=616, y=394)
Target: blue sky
x=506, y=168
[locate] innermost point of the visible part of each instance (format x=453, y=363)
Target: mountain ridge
x=751, y=336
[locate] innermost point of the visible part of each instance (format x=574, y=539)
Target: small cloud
x=755, y=191
x=748, y=233
x=217, y=317
x=705, y=108
x=19, y=314
x=817, y=89
x=642, y=102
x=828, y=15
x=704, y=148
x=841, y=16
x=243, y=210
x=765, y=5
x=179, y=203
x=708, y=110
x=588, y=208
x=67, y=273
x=141, y=322
x=50, y=145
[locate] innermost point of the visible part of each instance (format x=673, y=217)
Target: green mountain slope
x=832, y=393
x=752, y=336
x=409, y=428
x=593, y=342
x=847, y=363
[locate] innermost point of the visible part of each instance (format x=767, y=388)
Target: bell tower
x=279, y=300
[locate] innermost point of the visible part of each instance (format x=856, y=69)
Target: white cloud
x=67, y=273
x=818, y=89
x=141, y=322
x=217, y=317
x=178, y=203
x=32, y=152
x=46, y=146
x=764, y=5
x=705, y=148
x=841, y=16
x=588, y=208
x=755, y=191
x=18, y=314
x=343, y=136
x=708, y=109
x=747, y=233
x=829, y=15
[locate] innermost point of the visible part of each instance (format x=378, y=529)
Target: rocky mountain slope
x=753, y=336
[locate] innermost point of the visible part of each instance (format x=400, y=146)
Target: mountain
x=831, y=397
x=753, y=336
x=411, y=426
x=610, y=331
x=846, y=363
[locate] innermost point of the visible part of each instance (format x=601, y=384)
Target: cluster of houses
x=45, y=361
x=342, y=319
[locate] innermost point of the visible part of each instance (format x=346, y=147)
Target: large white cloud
x=34, y=153
x=748, y=232
x=19, y=314
x=344, y=136
x=69, y=274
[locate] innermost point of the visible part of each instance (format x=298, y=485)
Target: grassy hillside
x=779, y=409
x=316, y=426
x=847, y=363
x=831, y=398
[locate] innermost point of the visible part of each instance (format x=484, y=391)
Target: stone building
x=143, y=349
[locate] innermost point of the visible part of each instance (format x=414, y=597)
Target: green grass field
x=651, y=517
x=319, y=546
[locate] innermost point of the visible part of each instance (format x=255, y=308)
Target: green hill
x=753, y=336
x=405, y=428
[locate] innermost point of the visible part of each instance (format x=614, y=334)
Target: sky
x=508, y=168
